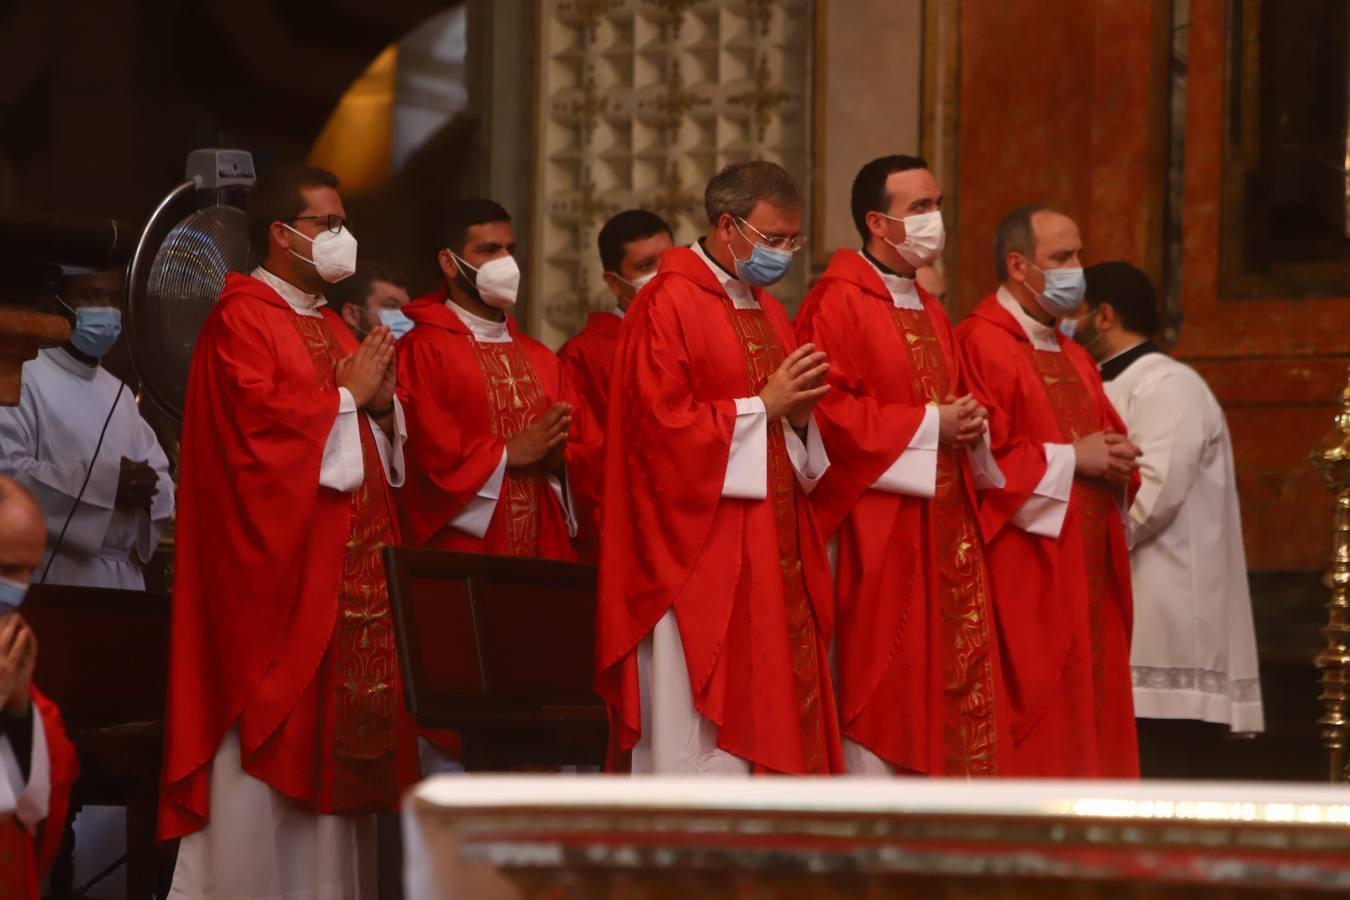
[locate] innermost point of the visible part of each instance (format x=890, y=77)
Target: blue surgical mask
x=765, y=266
x=1068, y=327
x=396, y=322
x=96, y=329
x=11, y=594
x=1064, y=290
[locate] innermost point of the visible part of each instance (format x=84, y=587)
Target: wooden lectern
x=502, y=650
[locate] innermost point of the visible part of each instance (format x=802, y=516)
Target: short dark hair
x=1015, y=235
x=625, y=228
x=277, y=197
x=1129, y=292
x=356, y=289
x=738, y=187
x=461, y=215
x=869, y=187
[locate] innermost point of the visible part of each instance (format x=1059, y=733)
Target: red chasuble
x=464, y=398
x=748, y=579
x=24, y=857
x=1064, y=606
x=281, y=622
x=587, y=361
x=916, y=656
x=588, y=358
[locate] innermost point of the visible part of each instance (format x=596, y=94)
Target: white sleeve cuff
x=747, y=475
x=476, y=515
x=1043, y=512
x=1123, y=502
x=391, y=457
x=562, y=491
x=914, y=471
x=984, y=468
x=809, y=459
x=28, y=801
x=147, y=536
x=341, y=469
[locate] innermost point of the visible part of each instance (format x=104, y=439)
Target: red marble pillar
x=1063, y=104
x=1277, y=364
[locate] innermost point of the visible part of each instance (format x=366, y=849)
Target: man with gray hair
x=1057, y=554
x=715, y=610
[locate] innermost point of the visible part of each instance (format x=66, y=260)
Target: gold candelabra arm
x=1333, y=464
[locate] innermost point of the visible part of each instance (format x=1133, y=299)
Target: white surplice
x=47, y=443
x=675, y=738
x=259, y=844
x=1194, y=649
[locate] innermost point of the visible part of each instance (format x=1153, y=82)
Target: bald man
x=1055, y=531
x=37, y=762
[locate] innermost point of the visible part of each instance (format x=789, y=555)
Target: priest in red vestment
x=286, y=726
x=38, y=765
x=916, y=652
x=498, y=441
x=631, y=244
x=714, y=612
x=1056, y=536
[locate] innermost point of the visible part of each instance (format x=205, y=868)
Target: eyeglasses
x=331, y=222
x=791, y=242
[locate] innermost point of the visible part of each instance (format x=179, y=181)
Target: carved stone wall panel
x=640, y=103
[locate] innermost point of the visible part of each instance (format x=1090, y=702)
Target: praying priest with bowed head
x=916, y=655
x=714, y=612
x=286, y=727
x=498, y=439
x=1057, y=554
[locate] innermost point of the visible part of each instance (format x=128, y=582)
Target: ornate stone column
x=23, y=332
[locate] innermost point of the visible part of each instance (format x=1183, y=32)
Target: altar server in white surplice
x=48, y=441
x=1194, y=652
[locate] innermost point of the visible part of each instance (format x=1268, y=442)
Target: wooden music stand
x=500, y=649
x=103, y=658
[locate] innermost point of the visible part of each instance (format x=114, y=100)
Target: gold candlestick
x=1333, y=464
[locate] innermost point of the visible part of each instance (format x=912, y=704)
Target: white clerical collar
x=64, y=359
x=904, y=293
x=303, y=304
x=1042, y=336
x=739, y=292
x=485, y=331
x=616, y=311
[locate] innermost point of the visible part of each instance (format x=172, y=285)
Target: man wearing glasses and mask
x=715, y=613
x=286, y=725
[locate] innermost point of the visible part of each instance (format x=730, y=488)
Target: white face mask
x=638, y=283
x=333, y=254
x=497, y=280
x=925, y=236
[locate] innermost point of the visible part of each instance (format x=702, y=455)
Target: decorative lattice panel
x=640, y=103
